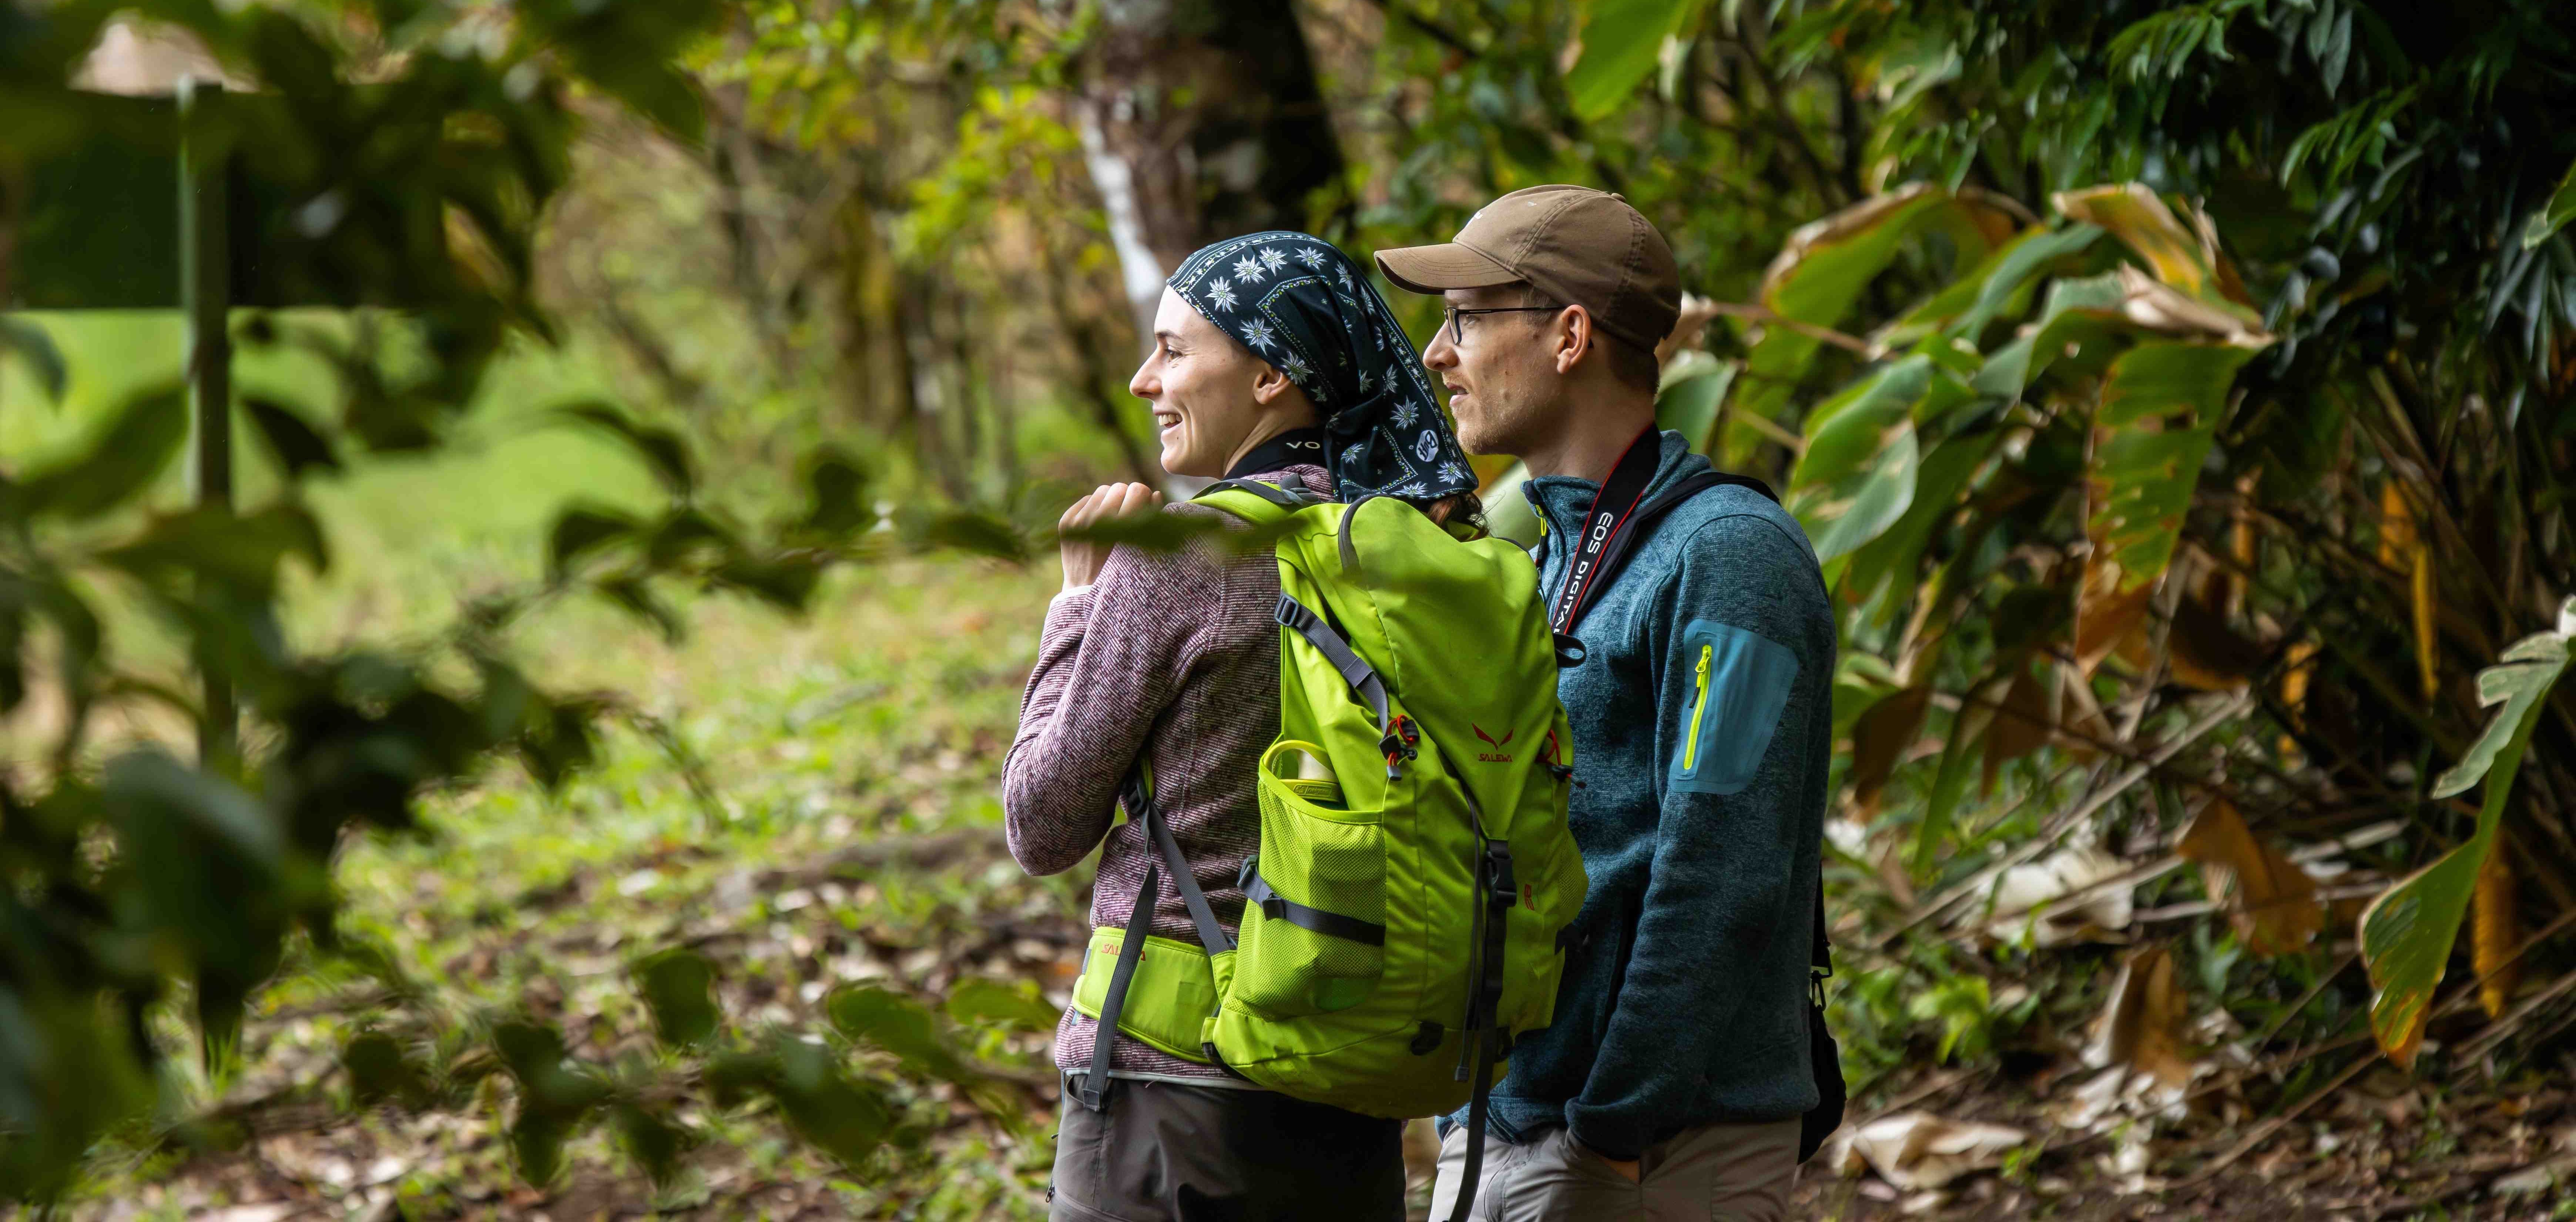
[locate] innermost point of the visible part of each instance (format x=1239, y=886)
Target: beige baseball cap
x=1577, y=245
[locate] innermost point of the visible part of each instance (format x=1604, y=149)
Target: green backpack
x=1402, y=918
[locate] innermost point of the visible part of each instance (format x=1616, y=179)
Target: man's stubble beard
x=1504, y=425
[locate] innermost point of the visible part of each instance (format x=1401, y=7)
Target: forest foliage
x=2177, y=394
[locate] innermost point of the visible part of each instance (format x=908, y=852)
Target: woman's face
x=1202, y=385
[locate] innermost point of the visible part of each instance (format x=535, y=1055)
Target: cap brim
x=1436, y=269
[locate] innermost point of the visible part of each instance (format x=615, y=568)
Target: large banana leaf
x=1817, y=278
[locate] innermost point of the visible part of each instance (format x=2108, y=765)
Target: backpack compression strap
x=1397, y=744
x=1139, y=800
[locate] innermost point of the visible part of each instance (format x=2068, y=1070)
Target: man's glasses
x=1457, y=315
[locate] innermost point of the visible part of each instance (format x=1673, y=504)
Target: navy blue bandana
x=1303, y=306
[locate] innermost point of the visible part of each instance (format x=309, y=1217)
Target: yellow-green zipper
x=1690, y=746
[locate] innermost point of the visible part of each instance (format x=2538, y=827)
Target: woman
x=1273, y=360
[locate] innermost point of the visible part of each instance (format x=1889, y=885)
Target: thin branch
x=1766, y=317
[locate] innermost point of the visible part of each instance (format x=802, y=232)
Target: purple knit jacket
x=1172, y=657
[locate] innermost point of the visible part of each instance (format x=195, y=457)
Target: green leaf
x=122, y=460
x=838, y=490
x=900, y=1025
x=2552, y=216
x=635, y=596
x=1621, y=42
x=581, y=529
x=679, y=988
x=840, y=1117
x=536, y=1143
x=2077, y=313
x=1509, y=514
x=1897, y=552
x=1959, y=760
x=2158, y=410
x=2523, y=675
x=1857, y=476
x=36, y=347
x=652, y=1139
x=2407, y=933
x=299, y=446
x=1817, y=278
x=2011, y=268
x=661, y=449
x=211, y=543
x=1688, y=402
x=978, y=534
x=380, y=1071
x=976, y=999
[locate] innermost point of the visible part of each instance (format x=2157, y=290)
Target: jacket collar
x=1563, y=499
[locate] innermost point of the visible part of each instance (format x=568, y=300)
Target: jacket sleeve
x=1110, y=659
x=1737, y=628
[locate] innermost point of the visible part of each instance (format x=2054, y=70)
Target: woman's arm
x=1110, y=659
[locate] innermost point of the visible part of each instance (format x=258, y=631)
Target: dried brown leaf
x=1879, y=739
x=2205, y=652
x=2141, y=1029
x=2496, y=934
x=2107, y=619
x=2022, y=724
x=2272, y=902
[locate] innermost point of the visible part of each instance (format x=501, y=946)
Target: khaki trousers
x=1172, y=1152
x=1735, y=1172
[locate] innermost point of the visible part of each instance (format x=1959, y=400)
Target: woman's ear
x=1268, y=384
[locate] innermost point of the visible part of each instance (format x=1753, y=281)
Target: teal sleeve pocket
x=1738, y=683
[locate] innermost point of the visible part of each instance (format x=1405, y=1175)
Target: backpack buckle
x=1501, y=888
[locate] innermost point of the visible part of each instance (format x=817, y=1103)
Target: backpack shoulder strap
x=1256, y=501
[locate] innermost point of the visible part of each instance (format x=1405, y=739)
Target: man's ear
x=1574, y=337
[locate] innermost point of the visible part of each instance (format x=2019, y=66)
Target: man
x=1675, y=1073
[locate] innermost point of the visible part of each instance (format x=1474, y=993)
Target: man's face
x=1201, y=386
x=1504, y=387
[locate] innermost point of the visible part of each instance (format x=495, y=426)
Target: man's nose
x=1440, y=353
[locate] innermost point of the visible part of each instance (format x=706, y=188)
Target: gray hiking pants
x=1734, y=1172
x=1167, y=1152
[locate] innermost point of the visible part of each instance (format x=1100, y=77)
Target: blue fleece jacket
x=1702, y=718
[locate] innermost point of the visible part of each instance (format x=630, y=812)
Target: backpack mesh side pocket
x=1317, y=856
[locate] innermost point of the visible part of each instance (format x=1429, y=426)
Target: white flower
x=1272, y=259
x=1365, y=380
x=1452, y=471
x=1344, y=272
x=1247, y=269
x=1258, y=334
x=1416, y=488
x=1310, y=256
x=1405, y=412
x=1220, y=294
x=1297, y=369
x=1357, y=451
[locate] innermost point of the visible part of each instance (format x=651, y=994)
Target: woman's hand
x=1083, y=557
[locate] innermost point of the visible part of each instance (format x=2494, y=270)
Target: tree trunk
x=1200, y=119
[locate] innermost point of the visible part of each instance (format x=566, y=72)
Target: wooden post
x=205, y=293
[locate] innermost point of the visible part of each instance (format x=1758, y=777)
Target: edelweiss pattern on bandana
x=1303, y=306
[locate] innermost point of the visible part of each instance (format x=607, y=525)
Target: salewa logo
x=1496, y=756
